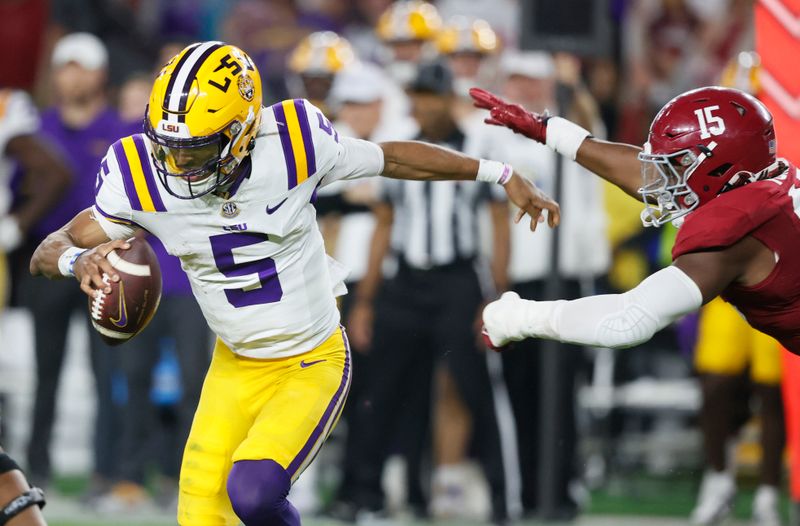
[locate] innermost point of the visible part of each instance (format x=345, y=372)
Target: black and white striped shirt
x=436, y=222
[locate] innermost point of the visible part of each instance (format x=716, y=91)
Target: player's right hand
x=90, y=267
x=512, y=116
x=504, y=321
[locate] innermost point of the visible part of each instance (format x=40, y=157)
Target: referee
x=425, y=315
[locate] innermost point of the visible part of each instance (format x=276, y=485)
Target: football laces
x=99, y=300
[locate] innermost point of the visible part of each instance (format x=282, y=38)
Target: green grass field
x=631, y=500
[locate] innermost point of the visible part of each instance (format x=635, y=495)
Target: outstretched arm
x=617, y=163
x=624, y=320
x=421, y=161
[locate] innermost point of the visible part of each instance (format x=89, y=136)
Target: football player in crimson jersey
x=709, y=166
x=229, y=187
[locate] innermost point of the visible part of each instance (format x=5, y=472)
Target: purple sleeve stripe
x=305, y=130
x=127, y=177
x=147, y=170
x=286, y=144
x=329, y=418
x=116, y=219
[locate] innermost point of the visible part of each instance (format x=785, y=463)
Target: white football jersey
x=18, y=116
x=256, y=260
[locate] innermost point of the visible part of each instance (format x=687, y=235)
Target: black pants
x=51, y=304
x=179, y=318
x=522, y=368
x=423, y=317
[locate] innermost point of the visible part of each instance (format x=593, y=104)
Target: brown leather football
x=128, y=308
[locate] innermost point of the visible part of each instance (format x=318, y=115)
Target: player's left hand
x=512, y=116
x=532, y=201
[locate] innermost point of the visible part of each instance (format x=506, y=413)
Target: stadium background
x=639, y=447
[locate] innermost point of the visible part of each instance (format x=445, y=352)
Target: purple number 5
x=222, y=247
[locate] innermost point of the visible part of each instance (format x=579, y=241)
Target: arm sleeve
x=617, y=320
x=357, y=158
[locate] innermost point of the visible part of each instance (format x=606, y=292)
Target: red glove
x=512, y=116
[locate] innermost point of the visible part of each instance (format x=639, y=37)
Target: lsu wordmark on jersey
x=254, y=255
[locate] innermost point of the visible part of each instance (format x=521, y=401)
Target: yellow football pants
x=726, y=344
x=251, y=409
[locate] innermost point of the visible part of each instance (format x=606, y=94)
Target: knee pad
x=258, y=489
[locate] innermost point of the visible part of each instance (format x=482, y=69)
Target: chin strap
x=32, y=497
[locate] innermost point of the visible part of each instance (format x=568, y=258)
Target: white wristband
x=494, y=172
x=565, y=136
x=66, y=261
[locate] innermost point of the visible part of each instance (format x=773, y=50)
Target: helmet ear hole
x=720, y=170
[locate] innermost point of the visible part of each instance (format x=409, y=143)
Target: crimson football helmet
x=702, y=143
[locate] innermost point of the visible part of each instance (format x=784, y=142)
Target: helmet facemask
x=665, y=190
x=193, y=167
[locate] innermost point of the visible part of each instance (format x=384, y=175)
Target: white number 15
x=705, y=116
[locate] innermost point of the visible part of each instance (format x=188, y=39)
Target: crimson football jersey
x=769, y=211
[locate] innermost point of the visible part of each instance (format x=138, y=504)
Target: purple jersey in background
x=82, y=151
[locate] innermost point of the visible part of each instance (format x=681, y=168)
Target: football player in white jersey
x=19, y=144
x=229, y=187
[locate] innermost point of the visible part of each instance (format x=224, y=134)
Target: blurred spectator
x=533, y=79
x=468, y=46
x=502, y=15
x=361, y=29
x=672, y=46
x=44, y=175
x=408, y=29
x=81, y=127
x=314, y=64
x=424, y=318
x=133, y=97
x=729, y=355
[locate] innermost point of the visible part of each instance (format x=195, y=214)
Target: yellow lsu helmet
x=322, y=53
x=463, y=35
x=742, y=72
x=409, y=20
x=202, y=118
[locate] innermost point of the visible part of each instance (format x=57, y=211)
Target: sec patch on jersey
x=127, y=309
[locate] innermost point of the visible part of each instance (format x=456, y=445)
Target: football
x=128, y=308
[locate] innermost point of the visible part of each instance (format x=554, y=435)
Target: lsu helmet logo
x=246, y=87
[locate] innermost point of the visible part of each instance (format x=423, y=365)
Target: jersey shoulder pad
x=126, y=182
x=309, y=141
x=728, y=218
x=129, y=159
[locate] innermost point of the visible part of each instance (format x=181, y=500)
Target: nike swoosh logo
x=122, y=321
x=271, y=210
x=305, y=364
